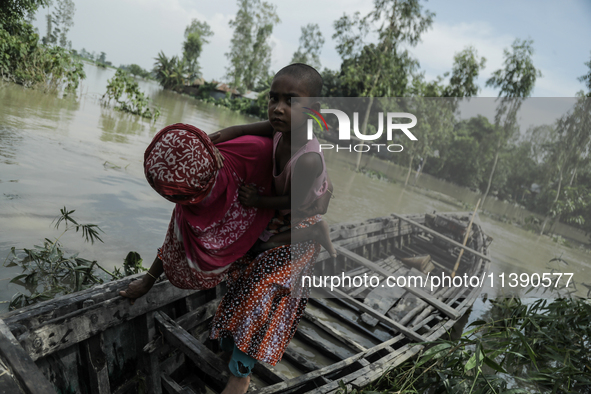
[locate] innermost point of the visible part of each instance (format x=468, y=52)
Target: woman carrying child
x=259, y=314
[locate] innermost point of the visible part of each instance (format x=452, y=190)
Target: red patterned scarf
x=180, y=164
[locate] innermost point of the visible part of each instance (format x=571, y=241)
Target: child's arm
x=259, y=128
x=306, y=169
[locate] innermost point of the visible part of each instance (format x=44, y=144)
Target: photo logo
x=317, y=117
x=344, y=126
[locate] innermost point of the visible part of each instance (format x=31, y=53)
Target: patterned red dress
x=265, y=299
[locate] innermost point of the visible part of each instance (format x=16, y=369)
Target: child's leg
x=319, y=232
x=240, y=366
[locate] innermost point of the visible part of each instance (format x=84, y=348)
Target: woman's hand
x=248, y=195
x=138, y=288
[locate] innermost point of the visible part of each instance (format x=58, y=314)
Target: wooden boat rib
x=95, y=342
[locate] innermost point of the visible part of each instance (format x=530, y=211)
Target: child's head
x=296, y=80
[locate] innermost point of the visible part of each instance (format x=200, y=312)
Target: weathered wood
x=173, y=387
x=36, y=314
x=293, y=356
x=203, y=358
x=97, y=365
x=268, y=373
x=21, y=365
x=370, y=373
x=334, y=332
x=450, y=312
x=345, y=320
x=441, y=236
x=384, y=319
x=188, y=321
x=381, y=299
x=77, y=326
x=310, y=376
x=333, y=352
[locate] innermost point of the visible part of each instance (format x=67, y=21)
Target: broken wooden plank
x=96, y=360
x=345, y=320
x=203, y=358
x=334, y=332
x=450, y=312
x=26, y=372
x=384, y=319
x=173, y=387
x=188, y=321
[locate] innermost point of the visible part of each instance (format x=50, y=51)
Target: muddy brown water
x=78, y=153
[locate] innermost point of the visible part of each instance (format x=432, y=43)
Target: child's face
x=283, y=115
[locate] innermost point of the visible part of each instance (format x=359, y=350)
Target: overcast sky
x=134, y=31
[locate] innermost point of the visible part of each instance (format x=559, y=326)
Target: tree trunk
x=492, y=173
x=572, y=178
x=420, y=171
x=409, y=169
x=554, y=202
x=364, y=130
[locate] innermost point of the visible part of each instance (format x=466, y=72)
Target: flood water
x=77, y=153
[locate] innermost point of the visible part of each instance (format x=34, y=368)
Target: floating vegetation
x=128, y=97
x=48, y=271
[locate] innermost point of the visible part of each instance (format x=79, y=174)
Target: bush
x=24, y=61
x=135, y=101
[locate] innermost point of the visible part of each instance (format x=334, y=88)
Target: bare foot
x=322, y=235
x=237, y=385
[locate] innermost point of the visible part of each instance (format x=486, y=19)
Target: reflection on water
x=76, y=152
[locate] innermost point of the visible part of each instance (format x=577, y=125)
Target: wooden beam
x=173, y=387
x=334, y=352
x=203, y=358
x=345, y=320
x=341, y=337
x=24, y=369
x=449, y=311
x=438, y=235
x=96, y=361
x=295, y=357
x=75, y=327
x=384, y=319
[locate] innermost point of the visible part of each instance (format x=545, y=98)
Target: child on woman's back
x=299, y=170
x=258, y=316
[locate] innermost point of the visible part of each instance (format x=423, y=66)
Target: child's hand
x=248, y=195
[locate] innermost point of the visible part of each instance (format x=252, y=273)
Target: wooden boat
x=95, y=342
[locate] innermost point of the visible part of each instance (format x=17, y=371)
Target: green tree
x=569, y=154
x=172, y=72
x=466, y=68
x=515, y=82
x=586, y=79
x=13, y=13
x=250, y=50
x=311, y=42
x=195, y=37
x=397, y=24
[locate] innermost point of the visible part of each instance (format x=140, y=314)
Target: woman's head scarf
x=180, y=164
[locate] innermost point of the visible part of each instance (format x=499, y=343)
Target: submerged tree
x=311, y=42
x=515, y=82
x=250, y=50
x=195, y=37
